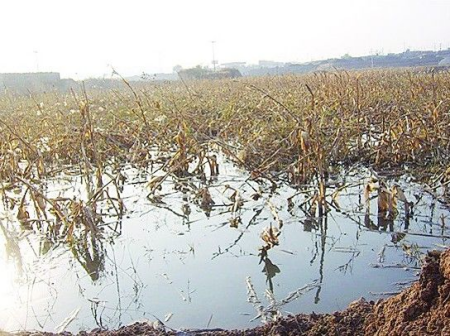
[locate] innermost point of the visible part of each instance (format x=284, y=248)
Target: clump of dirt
x=422, y=309
x=347, y=322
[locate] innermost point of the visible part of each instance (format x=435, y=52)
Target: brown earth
x=422, y=309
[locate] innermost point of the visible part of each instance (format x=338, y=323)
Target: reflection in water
x=272, y=311
x=171, y=219
x=385, y=220
x=206, y=201
x=77, y=223
x=12, y=249
x=270, y=270
x=323, y=225
x=368, y=222
x=252, y=221
x=90, y=253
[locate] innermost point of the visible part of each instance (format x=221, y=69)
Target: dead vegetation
x=292, y=129
x=297, y=130
x=299, y=126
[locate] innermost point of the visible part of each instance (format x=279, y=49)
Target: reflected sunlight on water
x=218, y=252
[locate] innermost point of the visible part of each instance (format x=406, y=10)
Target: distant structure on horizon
x=407, y=59
x=205, y=73
x=34, y=82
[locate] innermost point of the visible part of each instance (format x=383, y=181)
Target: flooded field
x=218, y=249
x=219, y=203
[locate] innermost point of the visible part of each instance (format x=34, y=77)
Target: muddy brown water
x=171, y=259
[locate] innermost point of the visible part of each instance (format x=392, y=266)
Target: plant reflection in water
x=244, y=218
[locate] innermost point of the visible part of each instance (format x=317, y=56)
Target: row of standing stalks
x=296, y=128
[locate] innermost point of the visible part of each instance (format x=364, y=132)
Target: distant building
x=445, y=62
x=34, y=82
x=234, y=65
x=270, y=64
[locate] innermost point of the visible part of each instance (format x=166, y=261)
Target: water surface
x=170, y=258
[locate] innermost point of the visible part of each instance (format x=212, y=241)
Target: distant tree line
x=200, y=72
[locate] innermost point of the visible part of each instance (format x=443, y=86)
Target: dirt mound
x=422, y=309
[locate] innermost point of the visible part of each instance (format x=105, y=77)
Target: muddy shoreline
x=422, y=309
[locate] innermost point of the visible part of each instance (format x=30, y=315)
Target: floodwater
x=193, y=266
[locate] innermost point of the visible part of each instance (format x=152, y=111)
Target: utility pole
x=36, y=59
x=371, y=57
x=214, y=62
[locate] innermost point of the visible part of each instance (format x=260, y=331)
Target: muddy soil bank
x=422, y=309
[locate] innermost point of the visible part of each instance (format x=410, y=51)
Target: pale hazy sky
x=83, y=38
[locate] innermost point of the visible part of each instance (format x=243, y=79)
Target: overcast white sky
x=82, y=38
